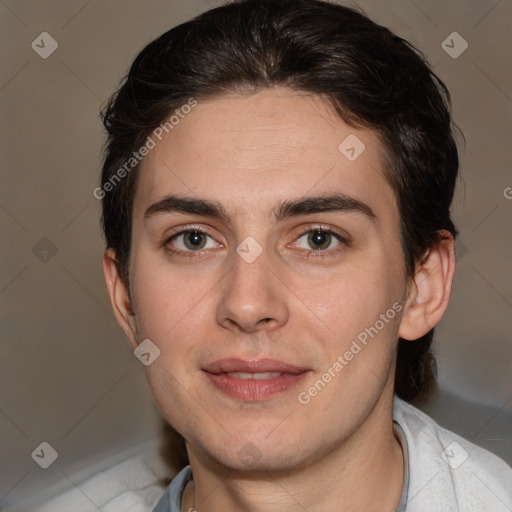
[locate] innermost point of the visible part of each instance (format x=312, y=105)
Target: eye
x=191, y=240
x=320, y=239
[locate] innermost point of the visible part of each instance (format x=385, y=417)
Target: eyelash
x=186, y=254
x=326, y=253
x=311, y=253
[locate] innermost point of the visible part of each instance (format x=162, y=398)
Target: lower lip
x=253, y=390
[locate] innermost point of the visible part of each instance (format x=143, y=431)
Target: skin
x=295, y=303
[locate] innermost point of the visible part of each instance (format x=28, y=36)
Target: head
x=244, y=113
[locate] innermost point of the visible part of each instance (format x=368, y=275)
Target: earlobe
x=119, y=296
x=430, y=289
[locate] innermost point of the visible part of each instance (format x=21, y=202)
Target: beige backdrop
x=67, y=375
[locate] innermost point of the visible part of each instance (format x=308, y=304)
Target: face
x=262, y=248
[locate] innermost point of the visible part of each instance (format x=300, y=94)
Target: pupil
x=193, y=240
x=320, y=239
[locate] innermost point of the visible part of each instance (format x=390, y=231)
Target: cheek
x=175, y=309
x=171, y=310
x=364, y=327
x=166, y=297
x=349, y=300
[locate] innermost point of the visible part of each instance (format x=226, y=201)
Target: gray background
x=67, y=374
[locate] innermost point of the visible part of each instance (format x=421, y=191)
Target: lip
x=251, y=389
x=260, y=365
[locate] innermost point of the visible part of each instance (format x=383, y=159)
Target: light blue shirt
x=171, y=500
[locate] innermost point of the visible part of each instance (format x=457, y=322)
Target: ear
x=119, y=296
x=430, y=289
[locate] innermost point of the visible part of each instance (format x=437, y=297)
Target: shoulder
x=448, y=472
x=130, y=485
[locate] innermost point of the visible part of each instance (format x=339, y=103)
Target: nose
x=252, y=297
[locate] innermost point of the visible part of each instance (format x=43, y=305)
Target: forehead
x=249, y=151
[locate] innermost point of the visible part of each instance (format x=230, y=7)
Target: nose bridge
x=251, y=293
x=251, y=268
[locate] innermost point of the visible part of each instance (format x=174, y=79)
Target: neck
x=364, y=472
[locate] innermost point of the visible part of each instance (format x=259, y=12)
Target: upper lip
x=255, y=366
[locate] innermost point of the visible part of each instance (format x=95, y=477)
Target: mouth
x=255, y=376
x=254, y=380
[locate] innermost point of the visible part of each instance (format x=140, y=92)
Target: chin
x=257, y=456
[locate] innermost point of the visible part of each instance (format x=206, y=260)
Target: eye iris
x=194, y=240
x=321, y=239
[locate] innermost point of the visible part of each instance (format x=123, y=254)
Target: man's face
x=267, y=281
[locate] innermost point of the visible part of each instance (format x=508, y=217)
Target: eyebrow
x=286, y=209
